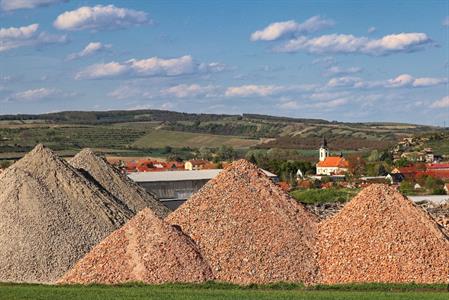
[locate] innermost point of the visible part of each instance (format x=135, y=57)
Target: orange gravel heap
x=249, y=229
x=146, y=249
x=380, y=236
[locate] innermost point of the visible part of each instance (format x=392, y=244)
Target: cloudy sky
x=338, y=60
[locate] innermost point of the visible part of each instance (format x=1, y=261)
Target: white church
x=330, y=165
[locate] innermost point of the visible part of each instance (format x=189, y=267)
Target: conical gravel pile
x=50, y=217
x=249, y=229
x=380, y=236
x=96, y=168
x=146, y=249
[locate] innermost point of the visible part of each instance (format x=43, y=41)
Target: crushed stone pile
x=146, y=249
x=50, y=217
x=99, y=170
x=325, y=210
x=380, y=236
x=249, y=229
x=440, y=213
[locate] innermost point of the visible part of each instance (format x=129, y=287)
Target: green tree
x=402, y=162
x=374, y=156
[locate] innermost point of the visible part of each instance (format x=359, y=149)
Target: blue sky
x=337, y=60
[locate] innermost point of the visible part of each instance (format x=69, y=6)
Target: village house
x=330, y=165
x=195, y=164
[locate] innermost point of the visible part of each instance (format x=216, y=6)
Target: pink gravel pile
x=146, y=249
x=380, y=236
x=249, y=229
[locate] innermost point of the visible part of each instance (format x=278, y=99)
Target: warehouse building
x=174, y=187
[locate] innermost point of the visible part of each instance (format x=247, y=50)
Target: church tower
x=324, y=151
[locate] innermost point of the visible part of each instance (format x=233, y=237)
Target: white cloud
x=192, y=90
x=39, y=94
x=16, y=37
x=290, y=104
x=107, y=70
x=345, y=81
x=347, y=43
x=8, y=5
x=35, y=94
x=401, y=81
x=329, y=104
x=442, y=103
x=372, y=29
x=336, y=70
x=445, y=22
x=252, y=90
x=125, y=92
x=406, y=80
x=90, y=49
x=153, y=66
x=100, y=17
x=279, y=30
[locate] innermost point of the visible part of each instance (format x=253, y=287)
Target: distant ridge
x=117, y=116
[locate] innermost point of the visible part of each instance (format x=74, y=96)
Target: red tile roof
x=438, y=166
x=334, y=162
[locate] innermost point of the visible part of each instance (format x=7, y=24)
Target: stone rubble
x=249, y=229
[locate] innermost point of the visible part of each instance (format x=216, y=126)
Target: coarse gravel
x=380, y=236
x=249, y=229
x=146, y=249
x=50, y=217
x=97, y=169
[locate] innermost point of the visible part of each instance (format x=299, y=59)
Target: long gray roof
x=179, y=175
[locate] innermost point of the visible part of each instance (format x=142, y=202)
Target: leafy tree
x=357, y=165
x=374, y=156
x=433, y=184
x=402, y=162
x=252, y=159
x=406, y=187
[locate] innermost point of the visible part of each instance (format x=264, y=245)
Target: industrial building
x=173, y=188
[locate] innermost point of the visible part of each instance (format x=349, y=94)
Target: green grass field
x=179, y=139
x=221, y=291
x=324, y=196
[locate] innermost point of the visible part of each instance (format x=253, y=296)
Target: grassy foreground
x=222, y=291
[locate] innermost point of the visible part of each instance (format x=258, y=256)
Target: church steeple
x=324, y=143
x=324, y=151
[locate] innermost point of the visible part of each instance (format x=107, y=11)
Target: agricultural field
x=147, y=132
x=178, y=139
x=219, y=291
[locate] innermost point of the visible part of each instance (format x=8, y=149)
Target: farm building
x=174, y=187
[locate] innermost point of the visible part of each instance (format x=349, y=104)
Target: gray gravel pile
x=100, y=171
x=249, y=229
x=50, y=217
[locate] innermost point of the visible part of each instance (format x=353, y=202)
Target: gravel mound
x=146, y=249
x=249, y=229
x=97, y=169
x=380, y=236
x=439, y=212
x=50, y=217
